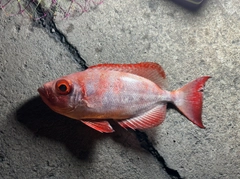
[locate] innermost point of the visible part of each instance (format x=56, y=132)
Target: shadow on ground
x=77, y=137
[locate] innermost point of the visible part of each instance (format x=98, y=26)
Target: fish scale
x=133, y=95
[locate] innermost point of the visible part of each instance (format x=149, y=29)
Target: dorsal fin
x=150, y=70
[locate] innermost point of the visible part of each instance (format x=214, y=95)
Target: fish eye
x=63, y=87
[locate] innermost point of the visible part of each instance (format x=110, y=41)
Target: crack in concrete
x=47, y=22
x=147, y=145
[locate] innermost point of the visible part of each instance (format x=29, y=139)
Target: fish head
x=62, y=95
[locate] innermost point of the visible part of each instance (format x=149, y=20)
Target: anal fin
x=101, y=126
x=149, y=119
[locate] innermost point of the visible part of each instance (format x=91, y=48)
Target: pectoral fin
x=149, y=119
x=101, y=126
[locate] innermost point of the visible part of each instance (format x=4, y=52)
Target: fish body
x=134, y=95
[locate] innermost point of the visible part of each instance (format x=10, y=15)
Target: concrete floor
x=38, y=143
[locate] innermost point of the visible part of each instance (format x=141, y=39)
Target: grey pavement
x=35, y=142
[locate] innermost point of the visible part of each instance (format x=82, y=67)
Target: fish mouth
x=44, y=94
x=42, y=91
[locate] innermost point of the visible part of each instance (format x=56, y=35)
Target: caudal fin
x=188, y=100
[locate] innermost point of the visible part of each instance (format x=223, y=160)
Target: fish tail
x=189, y=99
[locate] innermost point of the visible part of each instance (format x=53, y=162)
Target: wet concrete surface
x=38, y=143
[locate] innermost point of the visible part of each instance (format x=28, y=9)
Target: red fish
x=134, y=95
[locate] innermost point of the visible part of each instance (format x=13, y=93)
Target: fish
x=133, y=95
